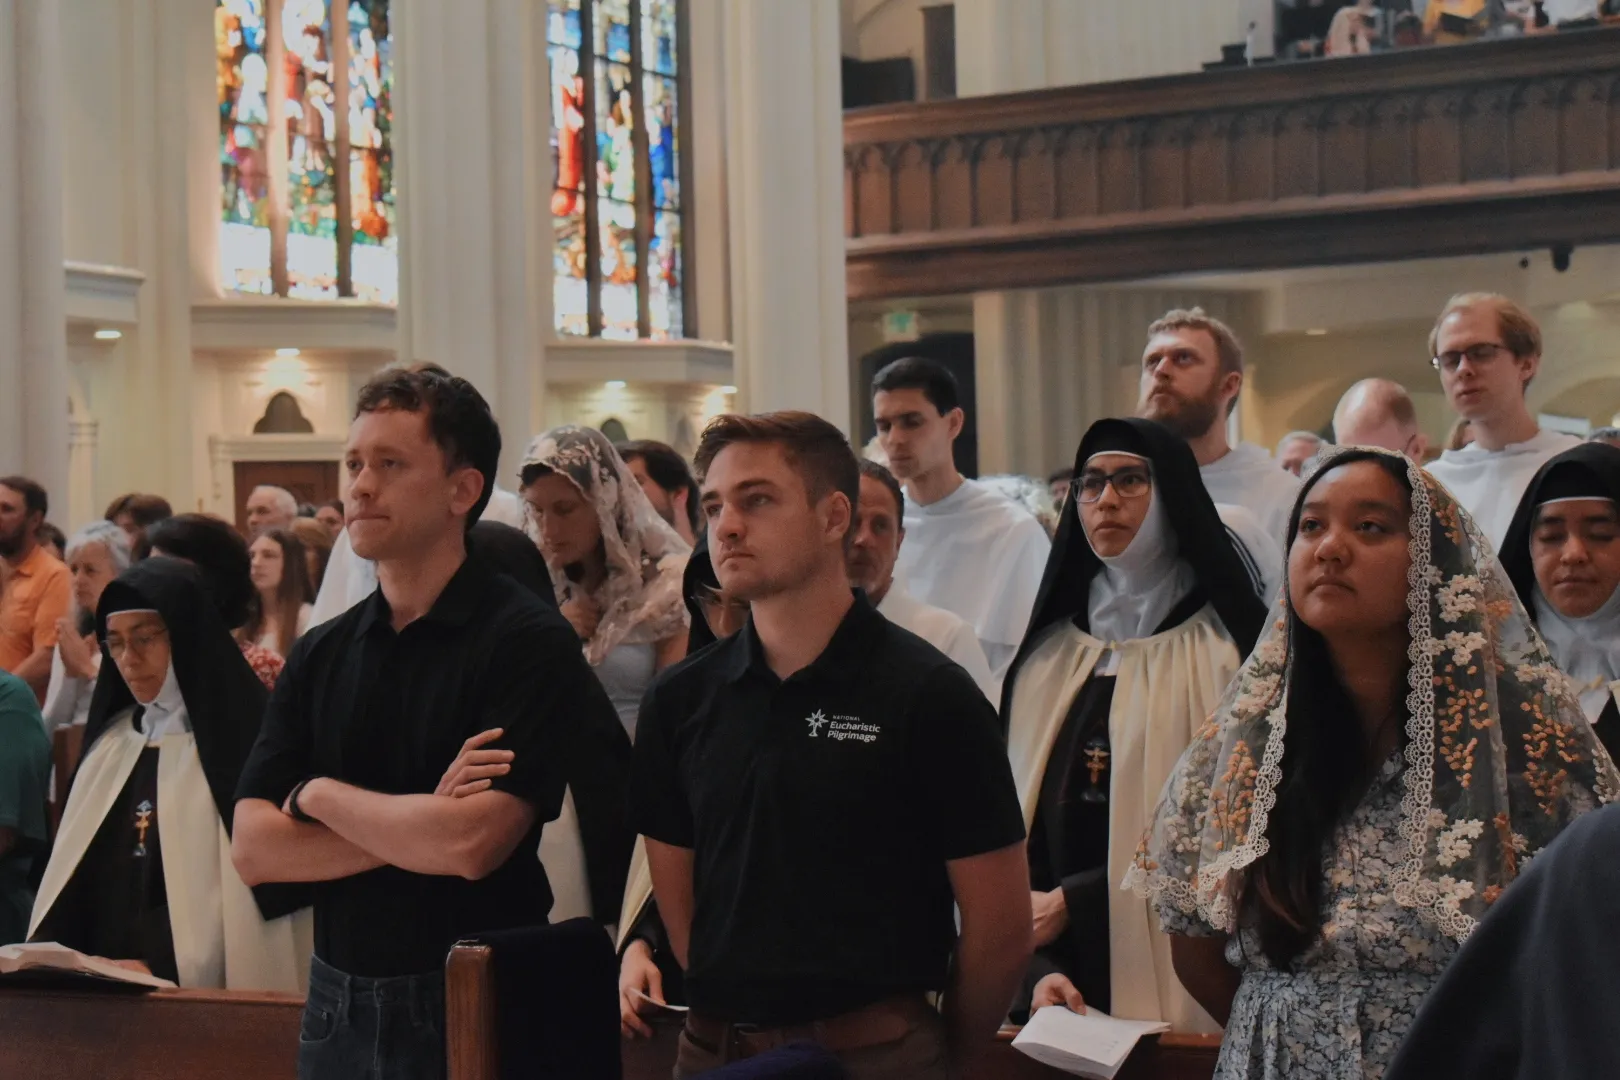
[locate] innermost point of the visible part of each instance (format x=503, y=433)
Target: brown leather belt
x=881, y=1022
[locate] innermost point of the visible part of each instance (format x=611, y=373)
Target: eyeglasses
x=710, y=597
x=1129, y=483
x=117, y=646
x=1477, y=355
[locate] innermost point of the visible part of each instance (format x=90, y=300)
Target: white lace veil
x=1499, y=755
x=641, y=599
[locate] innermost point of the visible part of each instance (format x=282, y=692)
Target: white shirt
x=1247, y=476
x=350, y=579
x=980, y=556
x=1490, y=483
x=1261, y=554
x=1566, y=11
x=948, y=633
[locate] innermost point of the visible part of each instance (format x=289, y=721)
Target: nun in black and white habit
x=1575, y=495
x=141, y=869
x=1124, y=659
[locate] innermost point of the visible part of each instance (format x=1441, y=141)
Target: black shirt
x=822, y=810
x=389, y=711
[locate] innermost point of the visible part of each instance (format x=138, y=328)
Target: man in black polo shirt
x=372, y=708
x=816, y=790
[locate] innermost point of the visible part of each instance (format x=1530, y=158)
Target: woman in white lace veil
x=1396, y=747
x=615, y=564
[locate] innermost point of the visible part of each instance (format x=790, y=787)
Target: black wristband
x=294, y=809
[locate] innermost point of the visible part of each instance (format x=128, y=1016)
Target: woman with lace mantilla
x=615, y=564
x=1396, y=747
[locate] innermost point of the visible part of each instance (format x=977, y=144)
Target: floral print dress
x=1343, y=1010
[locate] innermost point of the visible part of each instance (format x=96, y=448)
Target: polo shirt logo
x=842, y=728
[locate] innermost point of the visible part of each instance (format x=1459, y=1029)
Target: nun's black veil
x=1201, y=536
x=224, y=698
x=1588, y=470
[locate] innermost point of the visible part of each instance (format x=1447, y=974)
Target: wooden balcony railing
x=1490, y=147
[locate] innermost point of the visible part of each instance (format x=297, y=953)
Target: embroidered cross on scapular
x=1096, y=762
x=143, y=821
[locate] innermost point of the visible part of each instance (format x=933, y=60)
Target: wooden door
x=309, y=481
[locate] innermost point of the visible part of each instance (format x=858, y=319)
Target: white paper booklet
x=49, y=956
x=1094, y=1044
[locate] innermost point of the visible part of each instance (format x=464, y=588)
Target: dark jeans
x=371, y=1029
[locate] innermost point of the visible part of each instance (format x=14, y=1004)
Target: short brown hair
x=1227, y=346
x=1519, y=330
x=816, y=449
x=144, y=510
x=882, y=475
x=459, y=419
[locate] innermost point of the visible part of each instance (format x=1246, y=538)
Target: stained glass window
x=306, y=161
x=616, y=206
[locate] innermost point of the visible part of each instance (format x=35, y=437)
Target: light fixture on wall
x=287, y=352
x=728, y=390
x=614, y=384
x=109, y=335
x=1316, y=332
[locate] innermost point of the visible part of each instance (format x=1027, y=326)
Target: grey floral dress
x=1344, y=1009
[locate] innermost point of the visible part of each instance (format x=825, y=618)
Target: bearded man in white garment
x=1487, y=349
x=1192, y=373
x=968, y=549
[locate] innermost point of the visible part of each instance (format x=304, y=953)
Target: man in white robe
x=879, y=537
x=970, y=551
x=1192, y=373
x=1487, y=349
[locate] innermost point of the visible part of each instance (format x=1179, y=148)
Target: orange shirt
x=37, y=593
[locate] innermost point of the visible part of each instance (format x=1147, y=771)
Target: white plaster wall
x=670, y=414
x=1007, y=45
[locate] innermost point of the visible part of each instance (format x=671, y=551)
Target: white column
x=33, y=340
x=784, y=125
x=81, y=509
x=473, y=176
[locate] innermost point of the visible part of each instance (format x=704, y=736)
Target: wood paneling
x=1423, y=152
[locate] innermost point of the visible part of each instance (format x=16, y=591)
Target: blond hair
x=1518, y=328
x=1227, y=346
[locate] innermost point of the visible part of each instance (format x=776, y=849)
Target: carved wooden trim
x=1486, y=147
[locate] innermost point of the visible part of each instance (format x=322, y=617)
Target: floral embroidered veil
x=1499, y=756
x=642, y=600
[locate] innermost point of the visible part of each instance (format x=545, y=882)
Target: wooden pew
x=173, y=1035
x=213, y=1034
x=475, y=1054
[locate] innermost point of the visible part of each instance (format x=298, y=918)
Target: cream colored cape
x=220, y=939
x=562, y=854
x=1166, y=685
x=638, y=892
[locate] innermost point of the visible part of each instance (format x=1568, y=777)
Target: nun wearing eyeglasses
x=141, y=870
x=1145, y=613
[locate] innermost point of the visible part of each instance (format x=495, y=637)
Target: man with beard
x=39, y=588
x=972, y=551
x=663, y=475
x=879, y=532
x=821, y=795
x=1192, y=373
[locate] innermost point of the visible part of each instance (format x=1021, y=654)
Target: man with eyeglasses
x=1486, y=349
